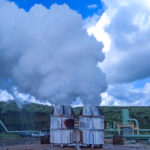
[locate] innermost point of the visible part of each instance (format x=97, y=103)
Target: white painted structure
x=91, y=125
x=90, y=130
x=62, y=125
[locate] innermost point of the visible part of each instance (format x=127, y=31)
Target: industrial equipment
x=88, y=130
x=91, y=126
x=128, y=128
x=21, y=133
x=62, y=126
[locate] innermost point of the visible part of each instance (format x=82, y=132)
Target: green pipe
x=126, y=119
x=125, y=116
x=3, y=126
x=23, y=131
x=139, y=137
x=7, y=131
x=136, y=122
x=144, y=130
x=111, y=130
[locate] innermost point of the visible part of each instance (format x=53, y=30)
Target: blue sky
x=81, y=6
x=141, y=83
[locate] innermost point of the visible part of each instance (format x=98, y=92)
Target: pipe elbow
x=136, y=122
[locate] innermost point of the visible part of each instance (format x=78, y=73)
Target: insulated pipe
x=7, y=131
x=144, y=130
x=125, y=116
x=126, y=119
x=136, y=122
x=4, y=127
x=145, y=137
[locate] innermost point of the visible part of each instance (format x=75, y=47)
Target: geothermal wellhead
x=85, y=130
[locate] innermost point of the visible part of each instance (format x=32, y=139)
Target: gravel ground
x=106, y=147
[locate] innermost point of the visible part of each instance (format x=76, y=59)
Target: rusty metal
x=62, y=122
x=78, y=136
x=89, y=130
x=91, y=123
x=91, y=126
x=69, y=123
x=89, y=110
x=62, y=136
x=68, y=110
x=60, y=110
x=118, y=140
x=93, y=137
x=62, y=126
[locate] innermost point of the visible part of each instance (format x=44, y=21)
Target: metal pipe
x=126, y=119
x=7, y=131
x=111, y=130
x=125, y=116
x=146, y=136
x=3, y=126
x=136, y=122
x=144, y=130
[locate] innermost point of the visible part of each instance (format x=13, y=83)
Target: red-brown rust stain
x=81, y=137
x=69, y=123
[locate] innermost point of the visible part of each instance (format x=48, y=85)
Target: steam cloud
x=47, y=53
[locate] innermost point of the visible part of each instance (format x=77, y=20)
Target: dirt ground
x=29, y=143
x=105, y=147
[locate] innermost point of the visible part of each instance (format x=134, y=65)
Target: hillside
x=37, y=117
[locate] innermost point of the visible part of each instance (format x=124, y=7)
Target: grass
x=8, y=135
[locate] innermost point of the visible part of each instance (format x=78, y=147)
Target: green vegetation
x=37, y=117
x=142, y=114
x=30, y=116
x=6, y=136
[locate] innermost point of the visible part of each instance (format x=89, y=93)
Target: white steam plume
x=48, y=54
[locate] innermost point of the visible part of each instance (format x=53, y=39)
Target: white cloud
x=48, y=54
x=124, y=30
x=99, y=32
x=125, y=34
x=20, y=98
x=126, y=95
x=77, y=103
x=91, y=21
x=5, y=96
